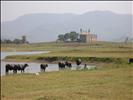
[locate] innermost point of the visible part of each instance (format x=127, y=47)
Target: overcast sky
x=10, y=10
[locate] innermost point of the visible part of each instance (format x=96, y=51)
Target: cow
x=78, y=62
x=22, y=67
x=15, y=68
x=9, y=67
x=61, y=65
x=43, y=67
x=68, y=64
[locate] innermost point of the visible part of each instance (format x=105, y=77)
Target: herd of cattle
x=62, y=65
x=21, y=67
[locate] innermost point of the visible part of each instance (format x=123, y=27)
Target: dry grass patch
x=104, y=83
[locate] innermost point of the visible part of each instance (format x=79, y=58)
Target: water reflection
x=33, y=67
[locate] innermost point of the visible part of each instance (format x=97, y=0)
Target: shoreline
x=28, y=61
x=56, y=59
x=56, y=62
x=40, y=61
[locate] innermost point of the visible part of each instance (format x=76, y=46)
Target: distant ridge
x=46, y=26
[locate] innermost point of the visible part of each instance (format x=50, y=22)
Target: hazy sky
x=10, y=10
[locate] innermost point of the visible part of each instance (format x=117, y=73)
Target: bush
x=85, y=59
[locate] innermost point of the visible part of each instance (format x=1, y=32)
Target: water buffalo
x=22, y=67
x=9, y=67
x=78, y=62
x=43, y=67
x=68, y=64
x=15, y=67
x=61, y=65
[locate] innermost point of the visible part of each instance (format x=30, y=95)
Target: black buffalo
x=78, y=62
x=15, y=67
x=43, y=67
x=68, y=64
x=61, y=65
x=10, y=67
x=22, y=67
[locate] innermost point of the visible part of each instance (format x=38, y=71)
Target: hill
x=44, y=27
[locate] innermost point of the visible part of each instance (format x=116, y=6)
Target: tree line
x=69, y=37
x=16, y=40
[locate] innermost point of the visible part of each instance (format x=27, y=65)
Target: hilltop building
x=87, y=37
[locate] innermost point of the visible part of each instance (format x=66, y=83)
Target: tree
x=61, y=37
x=24, y=39
x=66, y=36
x=17, y=41
x=7, y=41
x=73, y=36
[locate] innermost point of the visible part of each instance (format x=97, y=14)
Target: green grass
x=99, y=50
x=64, y=46
x=107, y=82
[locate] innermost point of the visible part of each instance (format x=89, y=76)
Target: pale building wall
x=87, y=37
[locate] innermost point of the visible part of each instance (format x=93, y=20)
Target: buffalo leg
x=7, y=71
x=14, y=71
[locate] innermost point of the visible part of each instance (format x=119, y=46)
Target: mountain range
x=44, y=27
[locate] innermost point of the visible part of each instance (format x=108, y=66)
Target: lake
x=33, y=67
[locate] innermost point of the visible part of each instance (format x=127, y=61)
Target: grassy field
x=100, y=49
x=52, y=46
x=107, y=82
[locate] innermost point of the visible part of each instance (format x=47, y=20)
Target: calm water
x=33, y=67
x=4, y=54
